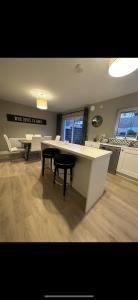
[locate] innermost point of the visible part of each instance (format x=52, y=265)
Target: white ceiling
x=67, y=89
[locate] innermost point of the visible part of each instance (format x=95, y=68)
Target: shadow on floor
x=71, y=207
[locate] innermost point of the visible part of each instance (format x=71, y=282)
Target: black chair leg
x=71, y=175
x=43, y=165
x=55, y=174
x=51, y=163
x=65, y=178
x=57, y=171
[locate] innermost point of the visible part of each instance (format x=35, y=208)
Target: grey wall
x=109, y=114
x=13, y=129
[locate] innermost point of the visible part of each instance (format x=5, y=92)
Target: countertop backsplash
x=116, y=141
x=130, y=143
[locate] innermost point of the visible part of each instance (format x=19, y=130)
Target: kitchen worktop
x=114, y=145
x=118, y=146
x=83, y=151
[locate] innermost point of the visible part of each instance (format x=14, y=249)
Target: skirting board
x=126, y=176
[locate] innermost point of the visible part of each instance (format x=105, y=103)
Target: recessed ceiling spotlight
x=79, y=68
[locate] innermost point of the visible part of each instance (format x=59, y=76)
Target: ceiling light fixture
x=39, y=93
x=42, y=94
x=41, y=103
x=119, y=67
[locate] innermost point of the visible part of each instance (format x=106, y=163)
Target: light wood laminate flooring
x=32, y=209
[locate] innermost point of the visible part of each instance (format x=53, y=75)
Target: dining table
x=27, y=145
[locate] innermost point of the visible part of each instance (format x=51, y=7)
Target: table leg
x=27, y=151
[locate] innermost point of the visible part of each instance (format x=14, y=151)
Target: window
x=127, y=123
x=73, y=129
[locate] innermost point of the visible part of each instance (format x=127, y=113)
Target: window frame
x=117, y=122
x=70, y=118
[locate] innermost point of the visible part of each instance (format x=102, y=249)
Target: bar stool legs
x=43, y=165
x=71, y=175
x=65, y=179
x=64, y=162
x=51, y=163
x=54, y=175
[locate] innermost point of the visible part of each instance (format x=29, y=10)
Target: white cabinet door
x=128, y=162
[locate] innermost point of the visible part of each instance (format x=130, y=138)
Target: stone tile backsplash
x=123, y=142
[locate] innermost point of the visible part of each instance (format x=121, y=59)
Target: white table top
x=79, y=150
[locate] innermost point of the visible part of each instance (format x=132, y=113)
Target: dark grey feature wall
x=109, y=113
x=13, y=129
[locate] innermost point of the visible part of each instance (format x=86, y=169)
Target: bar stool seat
x=65, y=162
x=48, y=153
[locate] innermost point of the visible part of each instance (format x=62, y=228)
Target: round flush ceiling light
x=119, y=67
x=41, y=103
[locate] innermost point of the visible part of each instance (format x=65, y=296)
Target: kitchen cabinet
x=128, y=162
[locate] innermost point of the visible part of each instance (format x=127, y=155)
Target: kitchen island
x=89, y=173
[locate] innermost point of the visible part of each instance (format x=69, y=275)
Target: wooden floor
x=32, y=209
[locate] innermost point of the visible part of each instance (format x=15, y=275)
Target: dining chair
x=29, y=136
x=9, y=144
x=16, y=142
x=13, y=150
x=36, y=143
x=57, y=138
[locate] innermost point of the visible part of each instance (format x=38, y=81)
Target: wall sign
x=22, y=119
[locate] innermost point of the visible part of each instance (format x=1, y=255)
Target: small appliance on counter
x=95, y=138
x=103, y=138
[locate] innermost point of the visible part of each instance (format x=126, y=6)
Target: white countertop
x=114, y=145
x=119, y=146
x=79, y=150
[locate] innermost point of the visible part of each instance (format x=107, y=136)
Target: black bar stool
x=48, y=153
x=65, y=162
